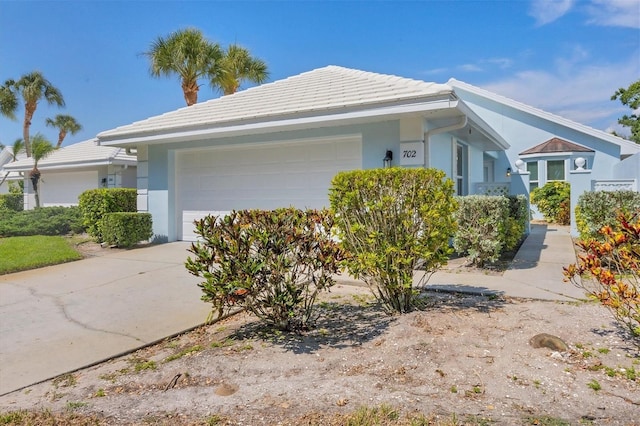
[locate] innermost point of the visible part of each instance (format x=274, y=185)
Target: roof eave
x=277, y=125
x=73, y=165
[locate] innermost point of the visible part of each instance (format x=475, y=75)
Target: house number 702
x=409, y=153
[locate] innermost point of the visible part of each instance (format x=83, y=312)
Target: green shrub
x=271, y=263
x=14, y=202
x=597, y=209
x=482, y=222
x=612, y=263
x=553, y=200
x=516, y=226
x=95, y=203
x=126, y=229
x=41, y=221
x=391, y=222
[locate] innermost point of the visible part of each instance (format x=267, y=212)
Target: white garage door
x=63, y=189
x=267, y=176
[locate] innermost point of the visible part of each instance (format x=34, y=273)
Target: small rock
x=548, y=341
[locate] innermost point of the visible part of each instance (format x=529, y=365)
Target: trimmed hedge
x=41, y=221
x=95, y=203
x=597, y=209
x=13, y=202
x=126, y=229
x=488, y=226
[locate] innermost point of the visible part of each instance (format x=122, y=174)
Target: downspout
x=438, y=130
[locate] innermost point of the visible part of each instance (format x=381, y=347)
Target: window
x=555, y=170
x=532, y=168
x=461, y=169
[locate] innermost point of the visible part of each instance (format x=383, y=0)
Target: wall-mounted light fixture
x=386, y=161
x=508, y=171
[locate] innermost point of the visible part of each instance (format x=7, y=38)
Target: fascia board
x=483, y=127
x=282, y=125
x=76, y=165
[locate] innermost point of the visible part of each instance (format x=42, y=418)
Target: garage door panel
x=269, y=177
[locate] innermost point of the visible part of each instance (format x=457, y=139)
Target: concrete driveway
x=59, y=318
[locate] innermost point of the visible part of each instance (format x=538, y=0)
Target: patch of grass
x=65, y=381
x=184, y=352
x=595, y=385
x=547, y=421
x=100, y=393
x=604, y=350
x=23, y=253
x=222, y=344
x=453, y=389
x=142, y=365
x=71, y=406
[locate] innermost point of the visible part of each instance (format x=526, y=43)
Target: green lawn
x=22, y=253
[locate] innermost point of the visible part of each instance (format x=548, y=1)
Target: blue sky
x=564, y=56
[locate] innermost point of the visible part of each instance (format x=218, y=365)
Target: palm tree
x=236, y=66
x=41, y=147
x=16, y=149
x=8, y=100
x=186, y=53
x=65, y=124
x=33, y=87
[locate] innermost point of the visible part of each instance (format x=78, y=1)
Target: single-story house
x=281, y=143
x=71, y=170
x=6, y=156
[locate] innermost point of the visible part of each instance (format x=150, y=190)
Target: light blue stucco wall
x=377, y=138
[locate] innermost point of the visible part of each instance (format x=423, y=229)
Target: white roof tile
x=81, y=154
x=320, y=90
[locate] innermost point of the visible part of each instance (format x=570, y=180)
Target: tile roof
x=80, y=154
x=323, y=90
x=556, y=145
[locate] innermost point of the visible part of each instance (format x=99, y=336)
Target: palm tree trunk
x=61, y=137
x=190, y=90
x=29, y=110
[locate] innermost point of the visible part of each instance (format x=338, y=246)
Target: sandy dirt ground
x=462, y=360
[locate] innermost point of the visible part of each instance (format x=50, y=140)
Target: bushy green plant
x=271, y=263
x=516, y=225
x=392, y=222
x=614, y=265
x=597, y=209
x=126, y=229
x=481, y=232
x=41, y=221
x=95, y=203
x=14, y=202
x=553, y=200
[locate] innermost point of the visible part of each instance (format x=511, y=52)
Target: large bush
x=392, y=222
x=597, y=209
x=271, y=263
x=41, y=221
x=488, y=226
x=126, y=229
x=553, y=200
x=95, y=203
x=13, y=202
x=481, y=232
x=613, y=267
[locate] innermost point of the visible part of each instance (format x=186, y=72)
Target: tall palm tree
x=41, y=147
x=8, y=100
x=16, y=149
x=186, y=53
x=33, y=87
x=65, y=124
x=236, y=66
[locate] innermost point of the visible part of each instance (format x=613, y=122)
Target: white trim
x=174, y=135
x=626, y=147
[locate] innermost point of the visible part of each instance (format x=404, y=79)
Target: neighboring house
x=71, y=170
x=280, y=144
x=552, y=148
x=6, y=156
